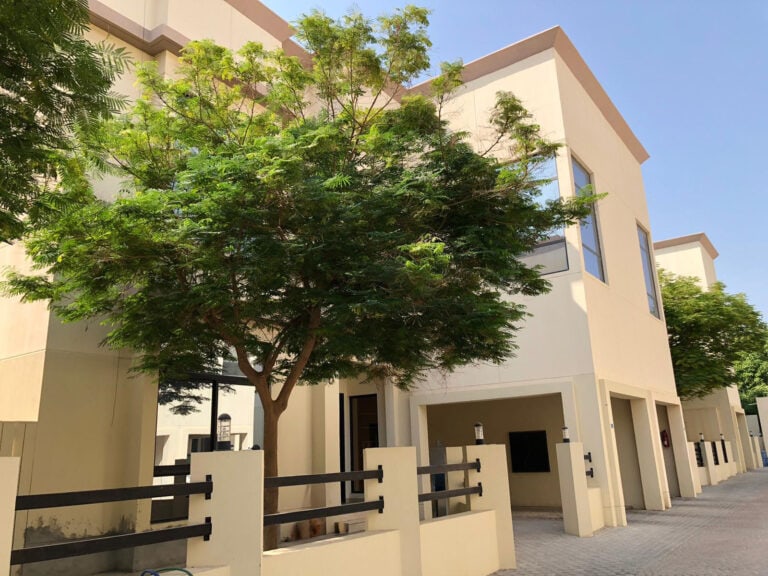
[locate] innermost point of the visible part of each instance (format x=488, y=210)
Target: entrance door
x=363, y=431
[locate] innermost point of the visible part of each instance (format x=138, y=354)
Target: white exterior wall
x=690, y=259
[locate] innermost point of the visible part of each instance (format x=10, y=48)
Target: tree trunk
x=271, y=495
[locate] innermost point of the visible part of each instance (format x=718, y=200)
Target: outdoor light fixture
x=566, y=435
x=224, y=435
x=479, y=438
x=701, y=436
x=751, y=434
x=722, y=436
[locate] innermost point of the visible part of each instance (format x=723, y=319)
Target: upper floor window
x=649, y=272
x=590, y=238
x=551, y=254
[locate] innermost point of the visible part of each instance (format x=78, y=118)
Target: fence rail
x=298, y=515
x=171, y=470
x=59, y=499
x=108, y=543
x=443, y=468
x=279, y=481
x=441, y=494
x=116, y=542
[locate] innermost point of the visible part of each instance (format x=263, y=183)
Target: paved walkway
x=723, y=532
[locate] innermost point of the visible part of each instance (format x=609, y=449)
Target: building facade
x=719, y=415
x=592, y=358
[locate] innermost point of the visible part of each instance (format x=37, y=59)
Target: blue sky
x=689, y=76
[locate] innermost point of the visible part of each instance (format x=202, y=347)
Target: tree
x=751, y=375
x=709, y=331
x=51, y=79
x=302, y=219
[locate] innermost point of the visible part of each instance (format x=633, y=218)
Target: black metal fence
x=174, y=509
x=439, y=469
x=325, y=512
x=715, y=457
x=109, y=543
x=699, y=455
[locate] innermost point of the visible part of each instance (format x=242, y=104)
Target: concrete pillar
x=401, y=501
x=691, y=447
x=325, y=445
x=756, y=451
x=457, y=479
x=687, y=476
x=745, y=445
x=420, y=439
x=495, y=479
x=9, y=480
x=709, y=463
x=652, y=474
x=236, y=509
x=605, y=457
x=731, y=433
x=577, y=518
x=762, y=414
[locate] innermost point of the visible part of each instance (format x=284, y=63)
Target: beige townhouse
x=592, y=358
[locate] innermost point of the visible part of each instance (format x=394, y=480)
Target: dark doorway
x=363, y=431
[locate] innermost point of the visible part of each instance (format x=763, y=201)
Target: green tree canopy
x=751, y=375
x=709, y=332
x=303, y=218
x=51, y=79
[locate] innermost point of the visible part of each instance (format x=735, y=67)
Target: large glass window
x=550, y=255
x=649, y=272
x=590, y=238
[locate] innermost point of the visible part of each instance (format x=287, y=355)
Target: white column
x=652, y=474
x=495, y=478
x=401, y=501
x=709, y=462
x=687, y=475
x=9, y=481
x=236, y=509
x=577, y=516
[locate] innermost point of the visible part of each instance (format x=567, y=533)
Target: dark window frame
x=532, y=450
x=590, y=222
x=649, y=271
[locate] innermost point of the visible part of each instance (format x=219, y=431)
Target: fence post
x=495, y=479
x=574, y=493
x=236, y=510
x=696, y=479
x=9, y=482
x=758, y=455
x=401, y=501
x=709, y=462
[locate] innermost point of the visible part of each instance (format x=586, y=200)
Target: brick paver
x=722, y=532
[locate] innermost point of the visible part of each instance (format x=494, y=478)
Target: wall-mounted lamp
x=591, y=472
x=588, y=457
x=701, y=436
x=479, y=437
x=224, y=433
x=722, y=436
x=566, y=435
x=751, y=434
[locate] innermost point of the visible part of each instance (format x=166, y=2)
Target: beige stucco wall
x=689, y=259
x=196, y=19
x=547, y=346
x=629, y=344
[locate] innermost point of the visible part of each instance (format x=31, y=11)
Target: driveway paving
x=723, y=532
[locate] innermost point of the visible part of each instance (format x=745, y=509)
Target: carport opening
x=629, y=464
x=668, y=450
x=528, y=427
